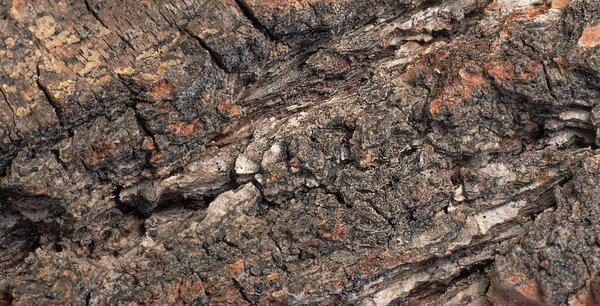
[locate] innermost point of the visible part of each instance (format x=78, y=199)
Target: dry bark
x=300, y=152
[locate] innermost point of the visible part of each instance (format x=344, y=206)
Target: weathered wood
x=294, y=152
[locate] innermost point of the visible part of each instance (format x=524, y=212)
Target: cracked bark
x=10, y=106
x=215, y=56
x=281, y=152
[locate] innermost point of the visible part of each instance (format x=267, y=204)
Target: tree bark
x=300, y=152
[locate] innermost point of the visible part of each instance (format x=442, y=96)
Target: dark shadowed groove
x=215, y=56
x=247, y=11
x=94, y=14
x=48, y=97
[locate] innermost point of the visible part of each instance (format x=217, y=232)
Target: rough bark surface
x=368, y=152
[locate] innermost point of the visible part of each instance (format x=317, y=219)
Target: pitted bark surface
x=300, y=152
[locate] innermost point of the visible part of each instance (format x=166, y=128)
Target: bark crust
x=300, y=152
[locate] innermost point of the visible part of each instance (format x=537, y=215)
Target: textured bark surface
x=292, y=152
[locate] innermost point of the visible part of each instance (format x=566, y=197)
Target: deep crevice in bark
x=247, y=11
x=214, y=55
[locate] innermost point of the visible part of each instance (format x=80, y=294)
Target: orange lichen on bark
x=584, y=297
x=182, y=128
x=500, y=70
x=160, y=88
x=515, y=278
x=69, y=274
x=367, y=266
x=457, y=90
x=232, y=110
x=426, y=64
x=521, y=284
x=563, y=62
x=560, y=4
x=534, y=12
x=236, y=268
x=186, y=291
x=280, y=293
x=44, y=271
x=99, y=153
x=590, y=37
x=194, y=290
x=148, y=144
x=340, y=282
x=339, y=231
x=342, y=64
x=505, y=71
x=367, y=158
x=339, y=64
x=157, y=157
x=531, y=291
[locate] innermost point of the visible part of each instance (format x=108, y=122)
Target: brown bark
x=294, y=152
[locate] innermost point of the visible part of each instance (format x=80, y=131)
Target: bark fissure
x=5, y=96
x=92, y=11
x=213, y=54
x=247, y=11
x=48, y=97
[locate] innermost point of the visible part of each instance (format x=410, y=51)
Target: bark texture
x=368, y=152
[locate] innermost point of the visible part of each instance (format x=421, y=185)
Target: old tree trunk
x=318, y=151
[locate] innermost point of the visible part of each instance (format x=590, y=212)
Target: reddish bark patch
x=44, y=272
x=186, y=291
x=236, y=268
x=583, y=298
x=339, y=231
x=377, y=260
x=534, y=12
x=367, y=158
x=560, y=4
x=182, y=128
x=157, y=157
x=160, y=88
x=232, y=110
x=148, y=144
x=531, y=291
x=514, y=289
x=99, y=153
x=505, y=71
x=343, y=63
x=590, y=37
x=456, y=91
